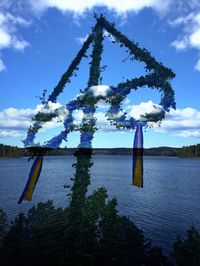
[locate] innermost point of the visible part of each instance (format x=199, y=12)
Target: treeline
x=162, y=151
x=185, y=151
x=11, y=151
x=190, y=151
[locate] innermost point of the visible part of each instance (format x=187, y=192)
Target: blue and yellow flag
x=32, y=180
x=137, y=179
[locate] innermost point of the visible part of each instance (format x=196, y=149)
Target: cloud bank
x=15, y=122
x=184, y=122
x=80, y=6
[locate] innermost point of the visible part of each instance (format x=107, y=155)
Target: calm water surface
x=166, y=206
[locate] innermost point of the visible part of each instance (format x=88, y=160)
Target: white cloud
x=55, y=108
x=103, y=104
x=80, y=6
x=19, y=45
x=9, y=37
x=14, y=115
x=8, y=30
x=181, y=122
x=182, y=20
x=189, y=134
x=5, y=3
x=180, y=44
x=136, y=111
x=11, y=134
x=78, y=116
x=132, y=111
x=81, y=40
x=190, y=37
x=197, y=66
x=102, y=123
x=195, y=38
x=48, y=107
x=109, y=36
x=106, y=34
x=5, y=39
x=100, y=90
x=15, y=122
x=2, y=66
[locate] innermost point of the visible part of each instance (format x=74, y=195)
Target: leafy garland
x=158, y=77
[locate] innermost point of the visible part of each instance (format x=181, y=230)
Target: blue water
x=166, y=206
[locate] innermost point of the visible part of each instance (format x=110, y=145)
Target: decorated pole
x=74, y=230
x=157, y=77
x=84, y=161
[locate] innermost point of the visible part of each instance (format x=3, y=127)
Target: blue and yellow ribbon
x=32, y=180
x=137, y=178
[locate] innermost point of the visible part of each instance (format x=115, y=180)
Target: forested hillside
x=186, y=151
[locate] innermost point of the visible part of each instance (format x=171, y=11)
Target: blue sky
x=39, y=39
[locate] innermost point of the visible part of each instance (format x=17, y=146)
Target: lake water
x=168, y=204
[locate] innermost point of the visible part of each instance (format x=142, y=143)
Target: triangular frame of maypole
x=158, y=77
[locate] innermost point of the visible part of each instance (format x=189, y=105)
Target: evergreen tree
x=187, y=251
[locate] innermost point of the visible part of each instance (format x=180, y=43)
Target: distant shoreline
x=160, y=151
x=193, y=151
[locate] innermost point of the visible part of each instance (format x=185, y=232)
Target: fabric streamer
x=137, y=178
x=32, y=180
